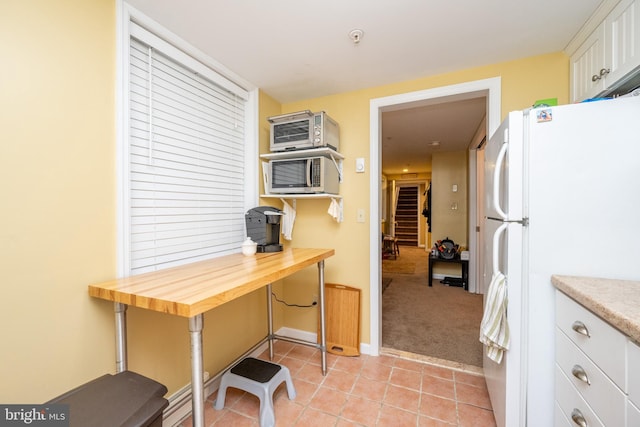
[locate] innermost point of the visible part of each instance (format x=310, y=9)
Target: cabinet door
x=633, y=415
x=560, y=419
x=622, y=37
x=633, y=372
x=603, y=344
x=571, y=402
x=586, y=64
x=600, y=393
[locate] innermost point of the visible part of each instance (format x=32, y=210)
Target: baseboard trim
x=180, y=402
x=442, y=276
x=313, y=337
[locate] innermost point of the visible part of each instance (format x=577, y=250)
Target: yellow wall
x=58, y=222
x=523, y=82
x=57, y=174
x=449, y=169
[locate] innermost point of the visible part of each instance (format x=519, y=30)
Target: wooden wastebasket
x=342, y=319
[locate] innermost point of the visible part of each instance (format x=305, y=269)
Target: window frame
x=126, y=15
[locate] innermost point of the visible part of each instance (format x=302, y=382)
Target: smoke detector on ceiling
x=356, y=35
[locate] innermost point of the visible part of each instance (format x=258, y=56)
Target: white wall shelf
x=322, y=151
x=335, y=212
x=337, y=215
x=291, y=154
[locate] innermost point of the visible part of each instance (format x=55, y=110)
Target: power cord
x=313, y=304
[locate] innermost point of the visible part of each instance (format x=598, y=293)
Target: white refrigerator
x=562, y=196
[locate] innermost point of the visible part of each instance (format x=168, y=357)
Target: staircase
x=407, y=216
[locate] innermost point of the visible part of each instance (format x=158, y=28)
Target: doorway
x=490, y=89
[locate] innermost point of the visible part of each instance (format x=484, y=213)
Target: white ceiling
x=411, y=136
x=299, y=49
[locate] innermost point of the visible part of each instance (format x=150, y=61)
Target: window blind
x=185, y=160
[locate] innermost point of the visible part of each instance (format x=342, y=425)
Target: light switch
x=454, y=188
x=360, y=164
x=360, y=215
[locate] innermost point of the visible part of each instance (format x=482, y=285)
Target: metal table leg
x=121, y=336
x=197, y=377
x=270, y=321
x=323, y=337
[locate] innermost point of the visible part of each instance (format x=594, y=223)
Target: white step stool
x=259, y=378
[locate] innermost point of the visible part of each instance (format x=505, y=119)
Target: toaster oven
x=303, y=130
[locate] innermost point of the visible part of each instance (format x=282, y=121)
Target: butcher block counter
x=191, y=290
x=616, y=301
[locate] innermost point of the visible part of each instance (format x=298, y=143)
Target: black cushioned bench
x=125, y=399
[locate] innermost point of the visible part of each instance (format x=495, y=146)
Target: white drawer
x=633, y=415
x=633, y=373
x=559, y=418
x=569, y=400
x=600, y=393
x=604, y=344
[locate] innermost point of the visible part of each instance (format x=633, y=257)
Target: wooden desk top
x=192, y=289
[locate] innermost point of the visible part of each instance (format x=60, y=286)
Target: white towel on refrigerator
x=494, y=328
x=288, y=219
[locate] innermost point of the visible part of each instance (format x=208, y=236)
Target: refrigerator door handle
x=496, y=248
x=496, y=180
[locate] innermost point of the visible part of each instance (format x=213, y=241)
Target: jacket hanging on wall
x=426, y=207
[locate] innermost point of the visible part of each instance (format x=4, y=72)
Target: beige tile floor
x=362, y=391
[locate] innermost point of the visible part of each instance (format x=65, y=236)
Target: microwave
x=303, y=130
x=304, y=175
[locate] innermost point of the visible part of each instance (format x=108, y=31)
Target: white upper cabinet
x=586, y=64
x=622, y=28
x=608, y=53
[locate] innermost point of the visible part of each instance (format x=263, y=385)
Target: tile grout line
x=401, y=371
x=455, y=397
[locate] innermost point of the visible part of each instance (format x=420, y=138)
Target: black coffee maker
x=263, y=227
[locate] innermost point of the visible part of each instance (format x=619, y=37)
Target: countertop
x=616, y=301
x=192, y=289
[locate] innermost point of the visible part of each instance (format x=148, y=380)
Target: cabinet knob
x=579, y=372
x=580, y=328
x=578, y=418
x=595, y=78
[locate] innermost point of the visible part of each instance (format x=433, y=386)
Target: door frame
x=489, y=88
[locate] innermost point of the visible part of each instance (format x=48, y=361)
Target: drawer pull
x=579, y=372
x=578, y=418
x=580, y=328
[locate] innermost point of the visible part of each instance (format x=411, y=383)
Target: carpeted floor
x=441, y=322
x=386, y=281
x=399, y=265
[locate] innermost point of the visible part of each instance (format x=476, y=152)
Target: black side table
x=463, y=263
